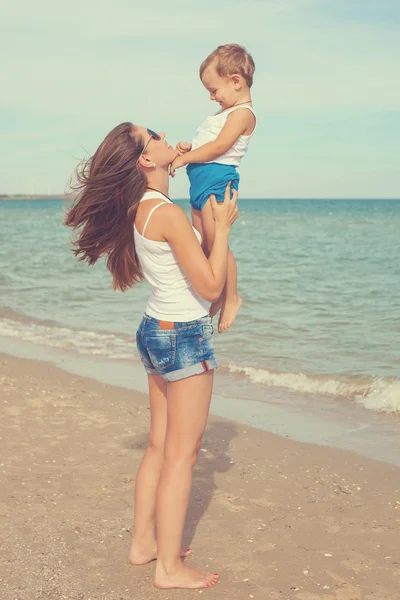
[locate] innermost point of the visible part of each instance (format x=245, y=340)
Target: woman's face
x=156, y=150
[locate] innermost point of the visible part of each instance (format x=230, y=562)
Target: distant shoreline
x=32, y=197
x=68, y=197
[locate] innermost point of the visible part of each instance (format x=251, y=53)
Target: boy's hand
x=177, y=164
x=183, y=147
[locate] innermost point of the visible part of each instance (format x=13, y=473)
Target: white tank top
x=211, y=128
x=172, y=298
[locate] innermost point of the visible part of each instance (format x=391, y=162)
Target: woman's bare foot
x=184, y=577
x=140, y=555
x=228, y=312
x=215, y=307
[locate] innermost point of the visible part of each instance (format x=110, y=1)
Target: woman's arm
x=207, y=275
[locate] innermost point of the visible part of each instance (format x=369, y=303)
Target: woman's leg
x=187, y=412
x=144, y=545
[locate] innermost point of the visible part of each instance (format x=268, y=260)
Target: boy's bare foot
x=139, y=555
x=228, y=312
x=184, y=577
x=215, y=307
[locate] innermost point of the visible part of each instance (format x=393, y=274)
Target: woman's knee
x=156, y=444
x=179, y=452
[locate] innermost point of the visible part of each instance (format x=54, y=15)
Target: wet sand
x=277, y=519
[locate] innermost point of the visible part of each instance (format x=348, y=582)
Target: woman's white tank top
x=172, y=297
x=211, y=128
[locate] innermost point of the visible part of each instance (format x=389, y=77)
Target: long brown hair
x=109, y=187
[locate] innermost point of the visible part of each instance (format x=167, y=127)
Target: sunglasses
x=153, y=136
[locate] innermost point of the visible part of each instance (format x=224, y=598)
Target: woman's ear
x=146, y=163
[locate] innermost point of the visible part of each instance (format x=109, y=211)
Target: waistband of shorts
x=172, y=325
x=210, y=165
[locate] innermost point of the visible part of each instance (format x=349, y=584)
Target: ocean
x=320, y=282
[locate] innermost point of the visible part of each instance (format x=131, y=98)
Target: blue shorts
x=176, y=350
x=210, y=178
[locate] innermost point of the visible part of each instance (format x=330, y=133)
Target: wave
x=50, y=333
x=381, y=394
x=8, y=313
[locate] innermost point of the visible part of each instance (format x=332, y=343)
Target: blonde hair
x=230, y=59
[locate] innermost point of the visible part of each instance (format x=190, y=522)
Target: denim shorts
x=176, y=350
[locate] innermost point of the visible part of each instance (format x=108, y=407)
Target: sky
x=326, y=88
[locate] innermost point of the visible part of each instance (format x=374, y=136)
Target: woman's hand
x=177, y=164
x=183, y=147
x=225, y=213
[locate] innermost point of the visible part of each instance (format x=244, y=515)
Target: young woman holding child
x=123, y=212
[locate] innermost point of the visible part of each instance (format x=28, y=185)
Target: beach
x=276, y=518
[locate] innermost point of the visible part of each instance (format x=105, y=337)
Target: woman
x=124, y=213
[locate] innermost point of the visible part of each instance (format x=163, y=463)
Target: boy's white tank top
x=172, y=297
x=211, y=128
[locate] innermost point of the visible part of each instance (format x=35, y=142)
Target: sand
x=277, y=519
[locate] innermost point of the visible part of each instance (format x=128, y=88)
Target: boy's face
x=222, y=89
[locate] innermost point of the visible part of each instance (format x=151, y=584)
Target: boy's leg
x=197, y=222
x=230, y=301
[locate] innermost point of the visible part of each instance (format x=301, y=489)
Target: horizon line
x=60, y=196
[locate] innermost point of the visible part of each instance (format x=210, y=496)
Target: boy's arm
x=236, y=124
